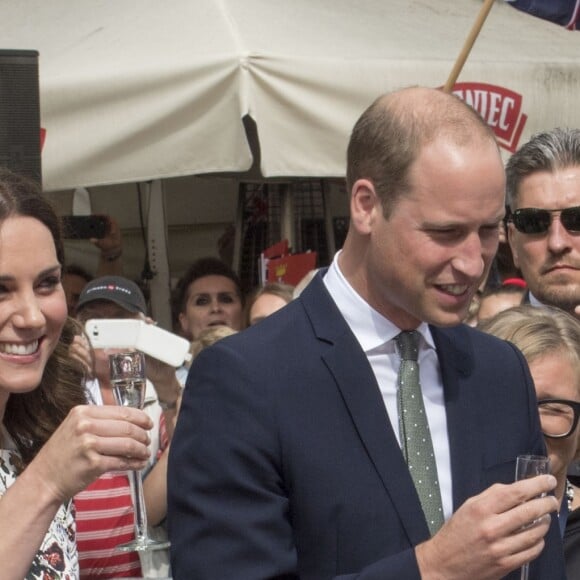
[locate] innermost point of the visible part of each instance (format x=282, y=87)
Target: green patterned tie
x=414, y=432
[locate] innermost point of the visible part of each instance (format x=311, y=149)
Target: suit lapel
x=356, y=382
x=464, y=431
x=360, y=392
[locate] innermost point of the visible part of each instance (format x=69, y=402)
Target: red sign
x=500, y=108
x=277, y=250
x=291, y=269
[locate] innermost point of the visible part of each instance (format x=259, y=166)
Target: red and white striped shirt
x=104, y=516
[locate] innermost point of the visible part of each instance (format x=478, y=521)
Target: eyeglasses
x=558, y=417
x=533, y=220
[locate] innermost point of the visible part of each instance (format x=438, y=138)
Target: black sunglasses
x=532, y=220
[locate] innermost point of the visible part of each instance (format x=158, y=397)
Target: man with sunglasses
x=543, y=194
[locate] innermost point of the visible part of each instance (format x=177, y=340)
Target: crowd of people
x=284, y=447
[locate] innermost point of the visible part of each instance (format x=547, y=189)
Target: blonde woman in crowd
x=266, y=300
x=549, y=339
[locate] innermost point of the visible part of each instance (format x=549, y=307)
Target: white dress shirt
x=376, y=335
x=534, y=301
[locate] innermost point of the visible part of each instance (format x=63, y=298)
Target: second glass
x=129, y=382
x=529, y=466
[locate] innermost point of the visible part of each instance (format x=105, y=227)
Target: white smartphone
x=148, y=338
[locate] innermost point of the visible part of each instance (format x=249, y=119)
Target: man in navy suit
x=286, y=460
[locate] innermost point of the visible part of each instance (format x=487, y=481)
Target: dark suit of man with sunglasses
x=543, y=190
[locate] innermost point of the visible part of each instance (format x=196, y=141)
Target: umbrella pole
x=468, y=45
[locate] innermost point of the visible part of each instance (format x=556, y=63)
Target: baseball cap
x=115, y=289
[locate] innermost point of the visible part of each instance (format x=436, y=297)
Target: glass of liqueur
x=128, y=380
x=530, y=466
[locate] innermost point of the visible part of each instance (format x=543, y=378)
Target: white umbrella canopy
x=133, y=90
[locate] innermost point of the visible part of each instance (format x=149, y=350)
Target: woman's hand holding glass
x=89, y=442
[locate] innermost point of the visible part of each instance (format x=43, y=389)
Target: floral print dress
x=57, y=557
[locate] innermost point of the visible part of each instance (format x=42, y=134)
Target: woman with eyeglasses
x=549, y=338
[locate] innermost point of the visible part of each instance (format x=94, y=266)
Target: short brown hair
x=389, y=135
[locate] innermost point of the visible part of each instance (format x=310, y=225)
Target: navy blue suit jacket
x=284, y=463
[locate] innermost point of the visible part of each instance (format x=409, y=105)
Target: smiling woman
x=51, y=443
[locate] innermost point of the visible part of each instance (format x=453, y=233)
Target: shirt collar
x=534, y=301
x=371, y=329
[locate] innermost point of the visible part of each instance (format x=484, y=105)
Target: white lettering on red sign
x=499, y=107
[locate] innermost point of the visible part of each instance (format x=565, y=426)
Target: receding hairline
x=391, y=133
x=436, y=114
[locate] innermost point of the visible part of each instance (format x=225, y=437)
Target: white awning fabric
x=133, y=90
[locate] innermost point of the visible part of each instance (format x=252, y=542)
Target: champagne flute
x=529, y=466
x=128, y=381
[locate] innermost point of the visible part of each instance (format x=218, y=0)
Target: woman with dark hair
x=208, y=294
x=51, y=443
